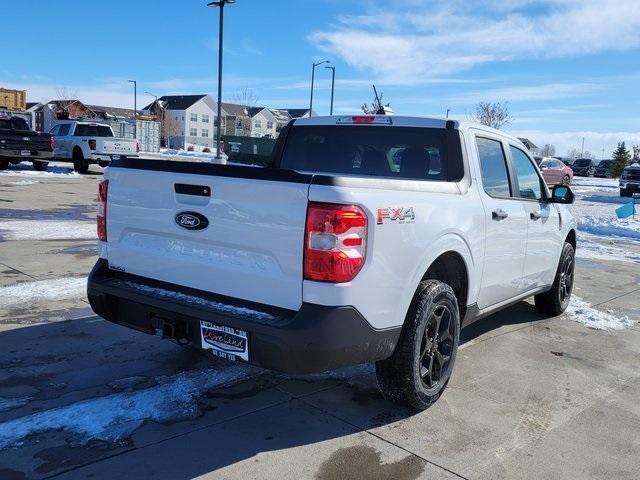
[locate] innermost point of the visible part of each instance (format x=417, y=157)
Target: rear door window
x=493, y=165
x=396, y=152
x=93, y=131
x=64, y=130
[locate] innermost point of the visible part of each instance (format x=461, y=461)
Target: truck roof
x=402, y=121
x=85, y=122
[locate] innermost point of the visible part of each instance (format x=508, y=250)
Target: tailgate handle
x=197, y=190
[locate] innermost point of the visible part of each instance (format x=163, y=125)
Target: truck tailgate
x=118, y=146
x=251, y=249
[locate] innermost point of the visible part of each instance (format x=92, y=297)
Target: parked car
x=87, y=143
x=630, y=180
x=338, y=253
x=566, y=160
x=19, y=143
x=584, y=167
x=555, y=172
x=602, y=169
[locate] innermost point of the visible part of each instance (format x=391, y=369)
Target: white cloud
x=427, y=40
x=594, y=142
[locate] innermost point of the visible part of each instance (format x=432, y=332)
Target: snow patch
x=25, y=182
x=11, y=403
x=595, y=182
x=583, y=313
x=26, y=169
x=182, y=297
x=24, y=294
x=114, y=417
x=590, y=249
x=185, y=155
x=47, y=230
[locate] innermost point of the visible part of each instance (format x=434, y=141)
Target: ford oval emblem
x=192, y=220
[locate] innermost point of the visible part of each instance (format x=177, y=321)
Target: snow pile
x=47, y=230
x=116, y=416
x=182, y=297
x=24, y=294
x=26, y=169
x=583, y=313
x=11, y=403
x=184, y=155
x=610, y=227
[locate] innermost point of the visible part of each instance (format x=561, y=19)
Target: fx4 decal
x=400, y=215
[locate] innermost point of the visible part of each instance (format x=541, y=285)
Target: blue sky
x=568, y=68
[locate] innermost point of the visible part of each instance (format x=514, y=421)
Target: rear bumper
x=34, y=154
x=314, y=339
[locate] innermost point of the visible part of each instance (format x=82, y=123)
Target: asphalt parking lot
x=531, y=396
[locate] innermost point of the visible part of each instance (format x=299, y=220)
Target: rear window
x=93, y=131
x=396, y=152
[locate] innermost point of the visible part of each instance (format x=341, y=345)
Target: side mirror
x=562, y=194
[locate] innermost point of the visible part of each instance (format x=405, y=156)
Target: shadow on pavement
x=64, y=363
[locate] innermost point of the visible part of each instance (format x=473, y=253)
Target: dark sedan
x=584, y=167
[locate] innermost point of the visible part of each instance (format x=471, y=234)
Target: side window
x=55, y=131
x=493, y=165
x=64, y=130
x=528, y=179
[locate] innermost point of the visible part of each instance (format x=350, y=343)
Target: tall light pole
x=313, y=75
x=135, y=108
x=448, y=110
x=333, y=86
x=221, y=4
x=582, y=149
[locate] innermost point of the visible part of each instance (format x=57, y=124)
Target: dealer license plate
x=25, y=153
x=224, y=342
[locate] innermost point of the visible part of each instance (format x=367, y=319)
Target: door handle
x=535, y=215
x=499, y=214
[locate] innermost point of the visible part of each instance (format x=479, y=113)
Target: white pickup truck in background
x=368, y=239
x=85, y=143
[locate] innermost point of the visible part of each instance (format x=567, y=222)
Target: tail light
x=335, y=242
x=52, y=142
x=92, y=144
x=103, y=189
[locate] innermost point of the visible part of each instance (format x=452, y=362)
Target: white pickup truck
x=85, y=143
x=370, y=238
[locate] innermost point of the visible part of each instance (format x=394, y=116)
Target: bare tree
x=376, y=106
x=548, y=150
x=65, y=94
x=169, y=127
x=636, y=153
x=492, y=114
x=246, y=97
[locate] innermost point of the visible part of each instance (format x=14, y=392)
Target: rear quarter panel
x=399, y=253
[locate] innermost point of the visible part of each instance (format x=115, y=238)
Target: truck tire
x=556, y=300
x=4, y=164
x=419, y=369
x=40, y=166
x=80, y=165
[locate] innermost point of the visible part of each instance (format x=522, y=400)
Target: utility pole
x=313, y=76
x=582, y=149
x=220, y=4
x=333, y=85
x=448, y=110
x=135, y=108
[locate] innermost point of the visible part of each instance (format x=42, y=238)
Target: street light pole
x=220, y=4
x=135, y=108
x=333, y=85
x=313, y=75
x=448, y=110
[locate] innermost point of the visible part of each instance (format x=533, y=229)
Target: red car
x=555, y=172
